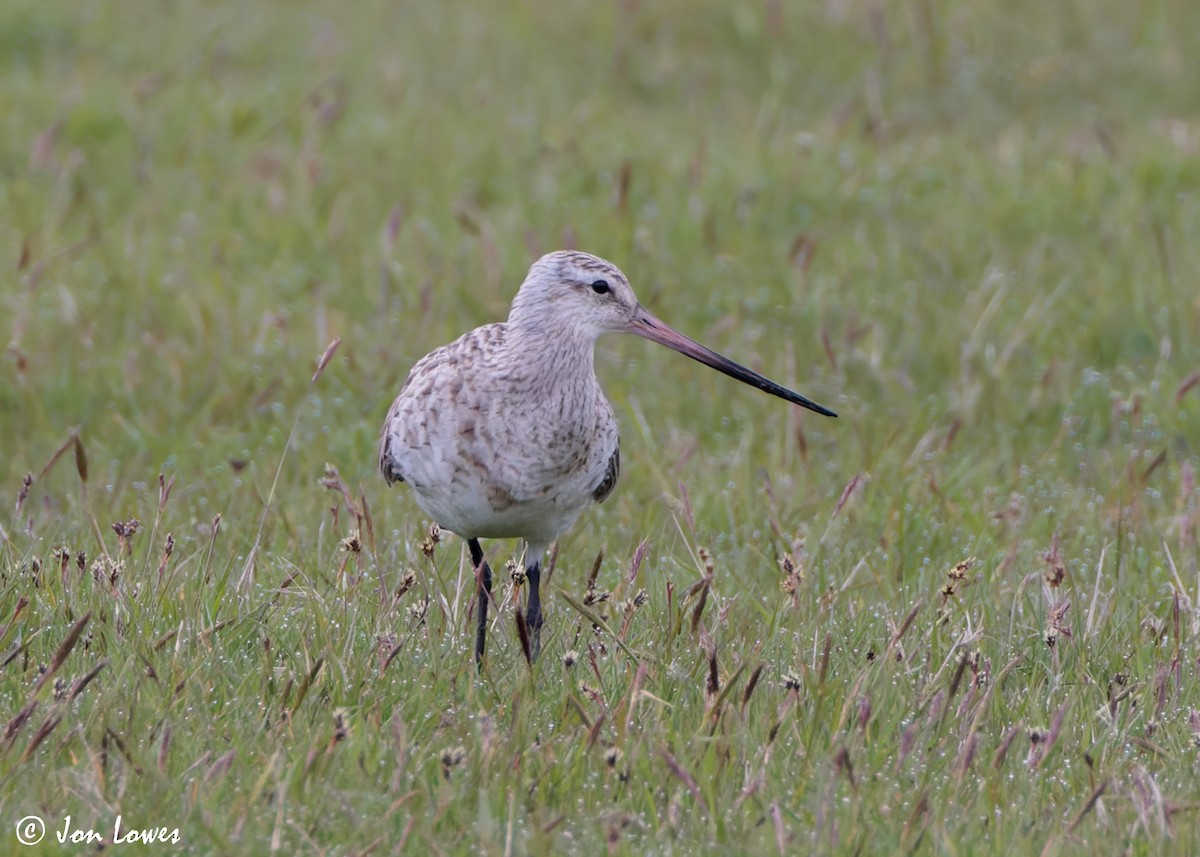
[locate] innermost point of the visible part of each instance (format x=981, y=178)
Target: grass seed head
x=431, y=541
x=516, y=571
x=452, y=757
x=341, y=724
x=593, y=596
x=864, y=712
x=629, y=606
x=107, y=570
x=416, y=612
x=353, y=542
x=793, y=577
x=1056, y=569
x=1056, y=624
x=126, y=529
x=407, y=582
x=959, y=572
x=26, y=483
x=385, y=642
x=956, y=575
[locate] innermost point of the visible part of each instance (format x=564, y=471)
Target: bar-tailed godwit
x=505, y=432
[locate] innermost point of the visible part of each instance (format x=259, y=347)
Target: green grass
x=970, y=228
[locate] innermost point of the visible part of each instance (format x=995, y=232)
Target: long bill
x=646, y=325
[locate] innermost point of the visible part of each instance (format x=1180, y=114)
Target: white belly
x=471, y=514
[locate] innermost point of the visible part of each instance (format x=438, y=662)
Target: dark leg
x=533, y=608
x=483, y=578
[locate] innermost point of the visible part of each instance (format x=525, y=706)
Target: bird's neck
x=559, y=351
x=558, y=342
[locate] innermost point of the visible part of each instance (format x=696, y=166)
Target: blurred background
x=971, y=228
x=963, y=207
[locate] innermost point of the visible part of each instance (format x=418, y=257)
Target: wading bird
x=505, y=432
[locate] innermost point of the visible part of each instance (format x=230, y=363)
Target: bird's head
x=577, y=294
x=584, y=293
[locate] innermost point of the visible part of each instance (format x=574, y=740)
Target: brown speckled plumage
x=505, y=432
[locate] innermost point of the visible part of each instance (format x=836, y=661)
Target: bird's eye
x=600, y=287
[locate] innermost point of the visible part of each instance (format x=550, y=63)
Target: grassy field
x=964, y=618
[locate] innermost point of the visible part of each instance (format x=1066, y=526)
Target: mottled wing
x=601, y=492
x=430, y=429
x=387, y=461
x=388, y=464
